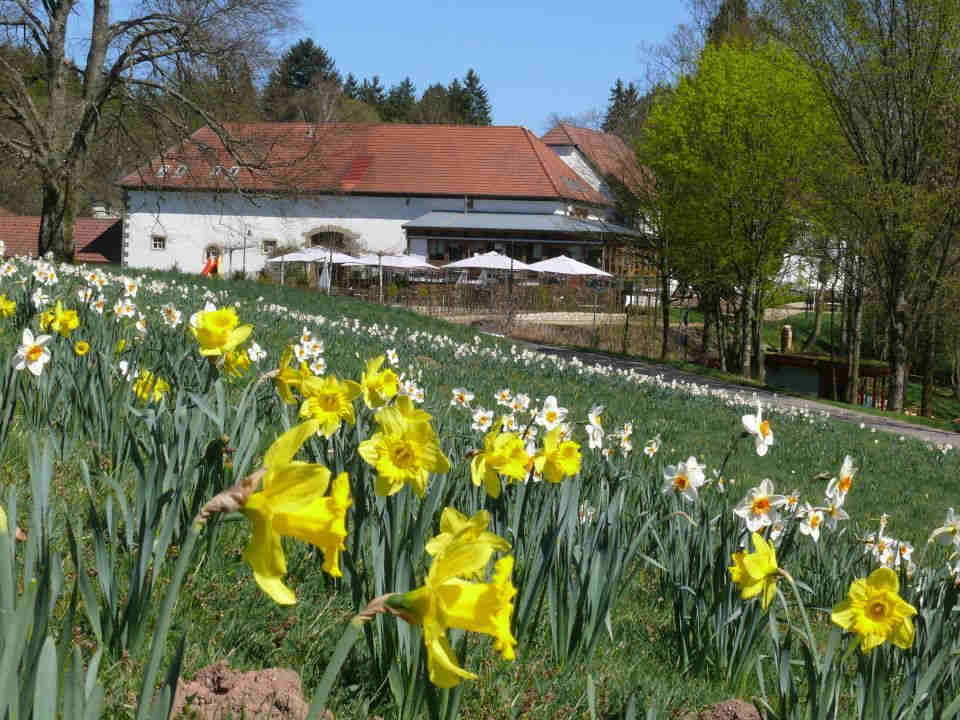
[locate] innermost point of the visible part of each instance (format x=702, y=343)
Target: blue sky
x=534, y=58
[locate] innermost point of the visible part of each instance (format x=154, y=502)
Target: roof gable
x=387, y=158
x=606, y=152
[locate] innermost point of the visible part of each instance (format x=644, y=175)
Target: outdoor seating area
x=480, y=282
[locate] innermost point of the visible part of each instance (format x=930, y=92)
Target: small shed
x=816, y=375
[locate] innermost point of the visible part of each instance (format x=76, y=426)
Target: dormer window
x=181, y=171
x=232, y=172
x=217, y=170
x=163, y=170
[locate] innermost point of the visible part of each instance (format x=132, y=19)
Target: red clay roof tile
x=607, y=152
x=385, y=159
x=96, y=240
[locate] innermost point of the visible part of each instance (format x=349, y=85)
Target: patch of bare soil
x=217, y=692
x=730, y=710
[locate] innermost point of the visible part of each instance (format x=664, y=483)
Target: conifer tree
x=478, y=112
x=401, y=102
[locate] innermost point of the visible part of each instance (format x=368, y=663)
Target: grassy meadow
x=623, y=598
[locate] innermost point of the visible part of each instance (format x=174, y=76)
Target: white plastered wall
x=190, y=222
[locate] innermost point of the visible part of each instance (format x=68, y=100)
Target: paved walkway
x=882, y=423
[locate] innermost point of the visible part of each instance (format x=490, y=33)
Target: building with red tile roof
x=263, y=186
x=598, y=157
x=96, y=240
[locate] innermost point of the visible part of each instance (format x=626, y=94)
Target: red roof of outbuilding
x=96, y=240
x=608, y=153
x=375, y=159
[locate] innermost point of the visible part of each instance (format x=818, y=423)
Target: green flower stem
x=163, y=625
x=350, y=636
x=803, y=610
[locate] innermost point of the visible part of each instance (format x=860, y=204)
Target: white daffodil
x=812, y=520
x=760, y=507
x=595, y=414
x=684, y=478
x=392, y=357
x=792, y=505
x=626, y=445
x=98, y=305
x=482, y=420
x=503, y=397
x=318, y=366
x=594, y=436
x=32, y=353
x=551, y=414
x=760, y=429
x=255, y=352
x=651, y=448
x=171, y=316
x=84, y=294
x=833, y=509
x=949, y=532
x=844, y=480
x=461, y=398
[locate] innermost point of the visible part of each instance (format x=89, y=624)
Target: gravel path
x=881, y=423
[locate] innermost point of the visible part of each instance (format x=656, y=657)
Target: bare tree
x=48, y=121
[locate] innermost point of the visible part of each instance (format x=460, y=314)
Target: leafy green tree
x=434, y=106
x=733, y=146
x=891, y=74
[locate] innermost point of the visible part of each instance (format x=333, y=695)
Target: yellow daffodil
x=63, y=321
x=288, y=378
x=121, y=345
x=404, y=450
x=236, y=364
x=378, y=385
x=451, y=599
x=148, y=387
x=293, y=502
x=218, y=331
x=81, y=348
x=7, y=307
x=756, y=572
x=329, y=401
x=502, y=454
x=455, y=526
x=875, y=611
x=557, y=459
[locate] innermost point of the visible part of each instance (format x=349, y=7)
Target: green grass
x=227, y=616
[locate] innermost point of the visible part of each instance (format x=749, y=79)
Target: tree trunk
x=757, y=358
x=856, y=338
x=665, y=311
x=817, y=320
x=929, y=362
x=745, y=326
x=707, y=322
x=722, y=337
x=898, y=352
x=56, y=221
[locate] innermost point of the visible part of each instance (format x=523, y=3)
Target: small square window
x=268, y=246
x=158, y=242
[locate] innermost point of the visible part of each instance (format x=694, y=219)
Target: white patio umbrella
x=488, y=261
x=563, y=265
x=393, y=262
